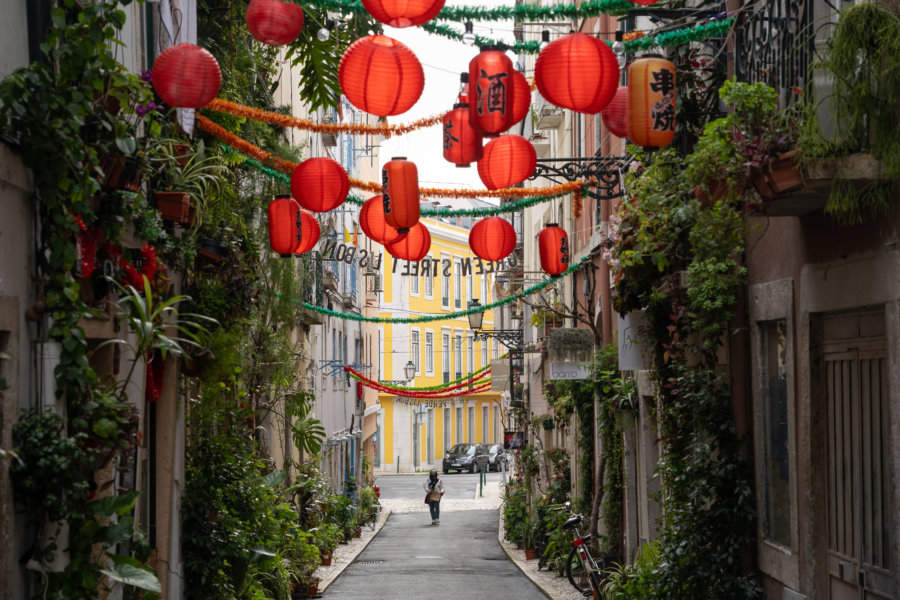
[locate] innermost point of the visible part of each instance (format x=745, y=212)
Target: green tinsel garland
x=521, y=12
x=431, y=318
x=429, y=388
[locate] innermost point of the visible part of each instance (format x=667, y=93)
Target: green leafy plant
x=636, y=581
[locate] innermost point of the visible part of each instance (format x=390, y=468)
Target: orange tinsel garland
x=286, y=166
x=255, y=114
x=631, y=35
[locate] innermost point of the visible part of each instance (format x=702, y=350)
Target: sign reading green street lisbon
x=567, y=370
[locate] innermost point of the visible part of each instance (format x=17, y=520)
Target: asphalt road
x=411, y=559
x=457, y=486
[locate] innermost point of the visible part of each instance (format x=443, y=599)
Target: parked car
x=466, y=457
x=497, y=458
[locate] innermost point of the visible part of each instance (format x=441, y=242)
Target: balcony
x=330, y=281
x=549, y=116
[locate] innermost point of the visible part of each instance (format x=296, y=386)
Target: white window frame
x=457, y=283
x=496, y=349
x=415, y=349
x=484, y=353
x=445, y=283
x=484, y=290
x=429, y=352
x=470, y=353
x=413, y=282
x=446, y=344
x=457, y=354
x=429, y=281
x=485, y=421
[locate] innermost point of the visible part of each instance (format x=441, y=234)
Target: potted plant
x=186, y=183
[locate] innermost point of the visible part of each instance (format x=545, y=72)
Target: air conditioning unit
x=549, y=116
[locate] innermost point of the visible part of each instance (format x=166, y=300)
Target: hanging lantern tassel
x=651, y=102
x=400, y=193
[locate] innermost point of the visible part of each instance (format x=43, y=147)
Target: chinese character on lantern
x=449, y=139
x=494, y=97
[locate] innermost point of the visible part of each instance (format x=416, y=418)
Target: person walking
x=434, y=489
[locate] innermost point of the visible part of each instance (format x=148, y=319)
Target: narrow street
x=410, y=558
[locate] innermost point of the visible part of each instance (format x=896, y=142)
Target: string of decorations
x=256, y=114
x=447, y=316
x=286, y=166
x=483, y=387
x=521, y=12
x=421, y=392
x=438, y=387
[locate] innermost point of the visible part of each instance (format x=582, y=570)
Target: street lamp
x=410, y=370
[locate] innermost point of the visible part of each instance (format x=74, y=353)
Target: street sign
x=565, y=371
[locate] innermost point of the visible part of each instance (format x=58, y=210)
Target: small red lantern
x=400, y=193
x=521, y=97
x=491, y=90
x=615, y=115
x=414, y=246
x=403, y=13
x=462, y=144
x=645, y=2
x=320, y=184
x=186, y=76
x=651, y=102
x=309, y=232
x=285, y=222
x=578, y=72
x=274, y=22
x=554, y=248
x=507, y=160
x=371, y=219
x=492, y=238
x=381, y=76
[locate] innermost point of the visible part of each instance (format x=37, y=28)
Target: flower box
x=174, y=206
x=778, y=177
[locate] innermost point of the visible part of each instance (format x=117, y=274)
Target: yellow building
x=413, y=434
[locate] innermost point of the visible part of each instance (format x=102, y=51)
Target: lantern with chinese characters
x=274, y=22
x=507, y=160
x=651, y=102
x=371, y=219
x=491, y=91
x=462, y=144
x=186, y=76
x=400, y=193
x=285, y=222
x=381, y=76
x=578, y=72
x=309, y=232
x=414, y=246
x=615, y=115
x=320, y=184
x=492, y=238
x=403, y=13
x=553, y=243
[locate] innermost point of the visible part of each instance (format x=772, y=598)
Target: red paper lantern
x=403, y=13
x=553, y=243
x=521, y=97
x=507, y=160
x=274, y=22
x=400, y=193
x=285, y=222
x=491, y=91
x=381, y=76
x=578, y=72
x=319, y=184
x=186, y=76
x=492, y=238
x=615, y=115
x=651, y=102
x=462, y=144
x=645, y=2
x=371, y=219
x=309, y=232
x=414, y=246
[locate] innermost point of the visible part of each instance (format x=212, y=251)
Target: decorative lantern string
x=485, y=387
x=521, y=12
x=469, y=379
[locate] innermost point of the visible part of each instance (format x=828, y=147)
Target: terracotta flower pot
x=713, y=192
x=122, y=173
x=174, y=206
x=325, y=558
x=530, y=554
x=781, y=175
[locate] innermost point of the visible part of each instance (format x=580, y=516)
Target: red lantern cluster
x=381, y=76
x=615, y=115
x=492, y=238
x=403, y=13
x=309, y=232
x=578, y=72
x=320, y=184
x=553, y=244
x=373, y=223
x=400, y=193
x=186, y=76
x=285, y=222
x=491, y=91
x=462, y=144
x=651, y=102
x=507, y=160
x=414, y=246
x=274, y=22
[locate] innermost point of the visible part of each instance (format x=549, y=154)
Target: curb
x=355, y=551
x=522, y=564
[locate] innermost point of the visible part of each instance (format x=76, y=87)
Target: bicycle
x=582, y=570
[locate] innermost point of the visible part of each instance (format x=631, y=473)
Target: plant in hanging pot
x=188, y=185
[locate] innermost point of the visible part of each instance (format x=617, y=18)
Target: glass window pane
x=776, y=426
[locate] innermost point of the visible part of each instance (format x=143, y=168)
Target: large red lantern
x=186, y=76
x=615, y=115
x=651, y=102
x=320, y=184
x=274, y=22
x=309, y=233
x=462, y=144
x=492, y=239
x=578, y=72
x=414, y=246
x=553, y=243
x=285, y=222
x=491, y=90
x=400, y=193
x=381, y=76
x=521, y=97
x=507, y=160
x=403, y=13
x=371, y=219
